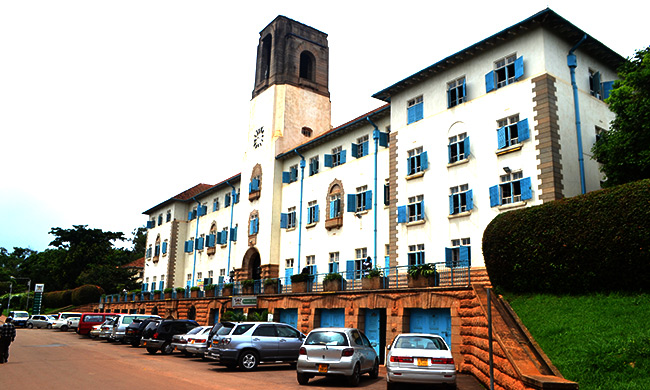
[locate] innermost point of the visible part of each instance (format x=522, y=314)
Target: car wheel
x=353, y=380
x=375, y=370
x=248, y=360
x=30, y=326
x=135, y=343
x=167, y=348
x=231, y=366
x=64, y=328
x=391, y=386
x=152, y=350
x=188, y=354
x=303, y=379
x=49, y=326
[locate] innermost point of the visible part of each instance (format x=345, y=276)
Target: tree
x=139, y=241
x=624, y=151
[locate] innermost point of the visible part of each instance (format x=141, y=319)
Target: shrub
x=87, y=293
x=209, y=287
x=332, y=276
x=180, y=290
x=157, y=291
x=297, y=278
x=168, y=290
x=375, y=272
x=422, y=270
x=270, y=281
x=195, y=288
x=593, y=242
x=247, y=283
x=228, y=285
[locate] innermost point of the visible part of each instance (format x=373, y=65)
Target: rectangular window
x=360, y=201
x=288, y=263
x=594, y=84
x=236, y=200
x=460, y=199
x=459, y=254
x=189, y=280
x=210, y=274
x=226, y=201
x=360, y=149
x=334, y=262
x=416, y=254
x=506, y=71
x=386, y=193
x=335, y=206
x=253, y=226
x=360, y=256
x=254, y=185
x=511, y=131
x=336, y=156
x=417, y=161
x=169, y=216
x=313, y=166
x=160, y=219
x=293, y=173
x=455, y=92
x=312, y=212
x=215, y=204
x=416, y=208
x=458, y=147
x=414, y=110
x=310, y=263
x=288, y=220
x=513, y=188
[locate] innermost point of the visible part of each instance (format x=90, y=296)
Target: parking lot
x=42, y=358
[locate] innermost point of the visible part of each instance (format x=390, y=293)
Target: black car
x=133, y=332
x=159, y=336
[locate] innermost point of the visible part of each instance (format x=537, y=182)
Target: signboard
x=244, y=301
x=39, y=288
x=38, y=298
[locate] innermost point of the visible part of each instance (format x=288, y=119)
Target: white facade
x=523, y=151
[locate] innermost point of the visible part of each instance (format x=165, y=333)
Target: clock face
x=258, y=137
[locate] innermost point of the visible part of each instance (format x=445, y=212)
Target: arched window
x=307, y=65
x=266, y=57
x=334, y=205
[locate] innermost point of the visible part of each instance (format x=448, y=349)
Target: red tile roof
x=139, y=263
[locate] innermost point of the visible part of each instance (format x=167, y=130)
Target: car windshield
x=329, y=338
x=195, y=330
x=21, y=315
x=224, y=330
x=420, y=342
x=241, y=329
x=66, y=316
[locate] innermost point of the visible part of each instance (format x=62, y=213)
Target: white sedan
x=419, y=358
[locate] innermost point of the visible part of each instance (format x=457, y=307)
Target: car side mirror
x=388, y=347
x=373, y=344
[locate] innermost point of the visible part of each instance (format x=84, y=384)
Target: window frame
x=415, y=109
x=458, y=88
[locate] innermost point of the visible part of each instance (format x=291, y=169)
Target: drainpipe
x=232, y=207
x=196, y=238
x=375, y=136
x=572, y=62
x=302, y=177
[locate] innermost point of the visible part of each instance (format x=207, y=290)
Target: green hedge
x=599, y=241
x=87, y=293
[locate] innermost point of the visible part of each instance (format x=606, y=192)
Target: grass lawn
x=600, y=341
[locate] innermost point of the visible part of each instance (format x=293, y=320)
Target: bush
x=247, y=283
x=228, y=285
x=297, y=278
x=57, y=299
x=332, y=276
x=157, y=291
x=180, y=290
x=195, y=288
x=87, y=293
x=593, y=242
x=209, y=287
x=168, y=290
x=375, y=272
x=422, y=270
x=270, y=281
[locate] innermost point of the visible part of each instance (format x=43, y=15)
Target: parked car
x=159, y=337
x=20, y=317
x=61, y=320
x=247, y=344
x=419, y=358
x=88, y=320
x=122, y=321
x=73, y=323
x=181, y=341
x=39, y=321
x=197, y=344
x=106, y=329
x=133, y=332
x=94, y=331
x=337, y=351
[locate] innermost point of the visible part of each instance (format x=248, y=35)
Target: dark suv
x=133, y=332
x=247, y=344
x=159, y=336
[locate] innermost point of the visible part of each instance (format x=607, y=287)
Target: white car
x=40, y=321
x=73, y=323
x=61, y=320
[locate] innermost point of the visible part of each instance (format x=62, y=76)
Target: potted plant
x=168, y=292
x=180, y=292
x=248, y=286
x=333, y=282
x=208, y=289
x=157, y=294
x=374, y=280
x=194, y=291
x=271, y=286
x=227, y=289
x=301, y=282
x=423, y=275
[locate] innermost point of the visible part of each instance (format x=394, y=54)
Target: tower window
x=307, y=65
x=266, y=56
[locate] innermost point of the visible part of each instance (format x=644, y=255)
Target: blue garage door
x=289, y=317
x=436, y=321
x=373, y=329
x=330, y=318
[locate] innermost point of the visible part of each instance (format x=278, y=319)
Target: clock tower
x=290, y=105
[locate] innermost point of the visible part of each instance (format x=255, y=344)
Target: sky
x=108, y=108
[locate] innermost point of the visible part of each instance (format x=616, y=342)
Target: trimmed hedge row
x=599, y=241
x=87, y=293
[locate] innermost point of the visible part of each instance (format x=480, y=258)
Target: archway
x=252, y=264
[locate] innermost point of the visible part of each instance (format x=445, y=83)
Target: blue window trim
x=415, y=113
x=456, y=146
x=457, y=198
x=490, y=79
x=525, y=185
x=417, y=163
x=312, y=214
x=504, y=134
x=460, y=98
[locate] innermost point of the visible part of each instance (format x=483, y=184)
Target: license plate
x=423, y=362
x=322, y=368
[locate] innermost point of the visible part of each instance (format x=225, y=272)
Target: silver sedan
x=419, y=358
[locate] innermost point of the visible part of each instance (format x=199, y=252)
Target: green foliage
x=157, y=291
x=208, y=287
x=333, y=276
x=86, y=294
x=57, y=298
x=195, y=288
x=601, y=341
x=422, y=270
x=228, y=285
x=375, y=272
x=248, y=283
x=624, y=151
x=270, y=281
x=297, y=278
x=234, y=316
x=168, y=290
x=180, y=290
x=593, y=242
x=258, y=316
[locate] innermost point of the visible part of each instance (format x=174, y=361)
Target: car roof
x=333, y=329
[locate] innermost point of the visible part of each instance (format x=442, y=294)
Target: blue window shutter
x=343, y=156
x=464, y=92
x=464, y=255
x=466, y=146
x=526, y=188
x=210, y=240
x=419, y=111
x=451, y=204
x=449, y=153
x=161, y=285
x=408, y=166
x=523, y=131
x=501, y=138
x=365, y=148
x=333, y=209
x=214, y=206
x=204, y=210
x=335, y=267
x=293, y=174
x=287, y=276
x=352, y=203
x=448, y=97
x=316, y=213
x=226, y=202
x=368, y=196
x=283, y=220
x=383, y=139
x=257, y=225
x=251, y=227
x=189, y=216
x=286, y=177
x=199, y=243
x=494, y=196
x=448, y=258
x=349, y=269
x=519, y=68
x=164, y=247
x=424, y=161
x=402, y=215
x=233, y=234
x=328, y=160
x=421, y=213
x=218, y=237
x=354, y=151
x=150, y=224
x=410, y=115
x=469, y=199
x=489, y=82
x=313, y=270
x=607, y=88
